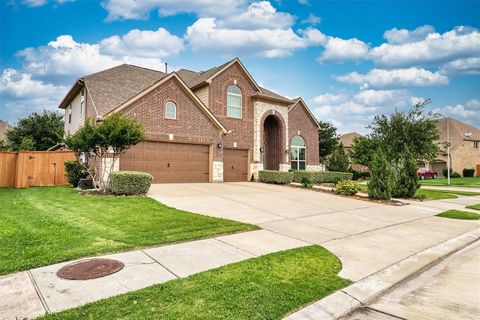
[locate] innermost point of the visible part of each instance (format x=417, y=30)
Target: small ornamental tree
x=338, y=160
x=405, y=176
x=103, y=143
x=380, y=184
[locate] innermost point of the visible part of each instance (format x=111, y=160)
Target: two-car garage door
x=180, y=162
x=168, y=162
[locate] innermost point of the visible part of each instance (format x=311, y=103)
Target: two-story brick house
x=208, y=126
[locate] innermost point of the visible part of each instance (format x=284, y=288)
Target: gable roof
x=347, y=138
x=457, y=129
x=299, y=101
x=4, y=127
x=197, y=101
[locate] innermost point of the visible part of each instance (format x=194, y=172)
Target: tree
x=380, y=184
x=363, y=149
x=38, y=131
x=413, y=130
x=405, y=176
x=338, y=160
x=103, y=144
x=327, y=138
x=3, y=145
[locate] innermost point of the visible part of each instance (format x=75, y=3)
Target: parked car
x=424, y=173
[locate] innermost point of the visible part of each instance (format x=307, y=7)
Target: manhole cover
x=90, y=269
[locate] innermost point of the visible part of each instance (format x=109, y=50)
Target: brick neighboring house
x=208, y=126
x=464, y=147
x=347, y=140
x=4, y=127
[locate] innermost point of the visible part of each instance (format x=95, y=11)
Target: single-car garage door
x=168, y=162
x=235, y=165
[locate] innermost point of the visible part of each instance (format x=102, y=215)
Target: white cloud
x=353, y=111
x=24, y=95
x=312, y=19
x=206, y=36
x=152, y=44
x=258, y=15
x=468, y=111
x=39, y=3
x=338, y=49
x=400, y=36
x=16, y=85
x=131, y=9
x=65, y=56
x=461, y=42
x=396, y=78
x=467, y=66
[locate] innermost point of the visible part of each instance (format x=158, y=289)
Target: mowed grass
x=44, y=225
x=457, y=214
x=464, y=182
x=267, y=287
x=431, y=194
x=474, y=206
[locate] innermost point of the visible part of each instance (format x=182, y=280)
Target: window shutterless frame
x=298, y=152
x=170, y=110
x=234, y=102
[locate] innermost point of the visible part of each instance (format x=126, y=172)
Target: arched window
x=234, y=102
x=170, y=110
x=298, y=153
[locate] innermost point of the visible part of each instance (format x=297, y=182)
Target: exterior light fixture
x=287, y=151
x=219, y=145
x=261, y=149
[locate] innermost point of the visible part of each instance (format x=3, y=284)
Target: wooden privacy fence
x=33, y=168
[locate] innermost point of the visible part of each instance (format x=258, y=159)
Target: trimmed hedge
x=130, y=182
x=468, y=172
x=321, y=176
x=358, y=175
x=272, y=176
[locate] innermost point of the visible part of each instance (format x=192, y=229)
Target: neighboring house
x=464, y=146
x=215, y=125
x=4, y=127
x=347, y=140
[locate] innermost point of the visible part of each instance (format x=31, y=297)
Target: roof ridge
x=140, y=67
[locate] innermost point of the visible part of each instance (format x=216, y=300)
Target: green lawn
x=457, y=214
x=45, y=225
x=267, y=287
x=474, y=206
x=464, y=182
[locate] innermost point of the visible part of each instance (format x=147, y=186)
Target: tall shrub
x=380, y=184
x=338, y=160
x=405, y=176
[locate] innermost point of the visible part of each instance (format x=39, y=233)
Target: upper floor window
x=82, y=101
x=476, y=144
x=234, y=102
x=70, y=113
x=170, y=110
x=298, y=153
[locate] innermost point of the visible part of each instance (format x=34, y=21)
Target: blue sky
x=348, y=60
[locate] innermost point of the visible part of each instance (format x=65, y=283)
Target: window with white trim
x=298, y=153
x=170, y=110
x=234, y=102
x=82, y=101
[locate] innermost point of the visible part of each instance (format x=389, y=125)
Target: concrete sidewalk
x=453, y=188
x=366, y=236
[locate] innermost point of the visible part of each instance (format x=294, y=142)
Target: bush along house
x=208, y=126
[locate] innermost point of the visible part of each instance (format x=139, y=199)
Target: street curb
x=360, y=293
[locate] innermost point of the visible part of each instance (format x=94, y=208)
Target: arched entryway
x=272, y=141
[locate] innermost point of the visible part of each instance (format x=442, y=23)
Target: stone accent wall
x=465, y=156
x=191, y=125
x=301, y=124
x=105, y=170
x=254, y=168
x=217, y=171
x=284, y=167
x=319, y=167
x=261, y=109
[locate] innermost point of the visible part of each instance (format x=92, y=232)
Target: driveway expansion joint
x=159, y=263
x=38, y=292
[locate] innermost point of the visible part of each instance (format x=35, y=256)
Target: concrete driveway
x=366, y=236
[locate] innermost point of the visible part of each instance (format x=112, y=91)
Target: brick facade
x=300, y=123
x=190, y=125
x=241, y=129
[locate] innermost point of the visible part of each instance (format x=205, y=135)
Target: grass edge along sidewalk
x=40, y=226
x=265, y=287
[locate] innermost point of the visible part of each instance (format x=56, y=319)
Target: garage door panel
x=168, y=162
x=235, y=165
